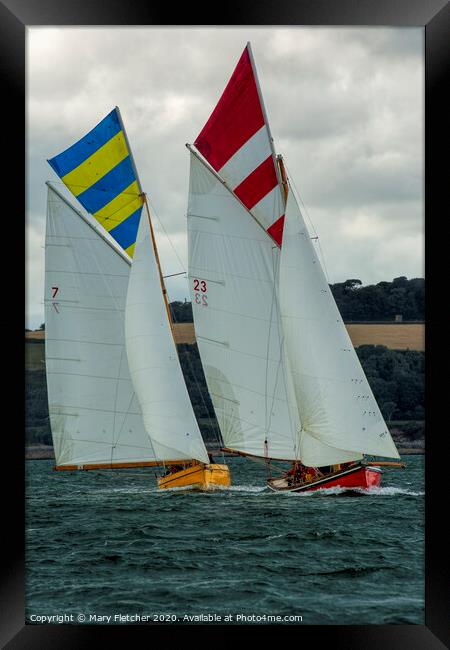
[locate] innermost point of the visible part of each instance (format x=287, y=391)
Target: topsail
x=236, y=142
x=99, y=171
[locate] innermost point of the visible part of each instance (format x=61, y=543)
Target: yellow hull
x=197, y=477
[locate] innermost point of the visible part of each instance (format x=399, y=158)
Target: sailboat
x=285, y=381
x=117, y=395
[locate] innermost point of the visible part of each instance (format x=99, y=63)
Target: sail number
x=200, y=295
x=54, y=303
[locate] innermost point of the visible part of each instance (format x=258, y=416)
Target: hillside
x=395, y=375
x=385, y=325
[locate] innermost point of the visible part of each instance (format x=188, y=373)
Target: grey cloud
x=345, y=108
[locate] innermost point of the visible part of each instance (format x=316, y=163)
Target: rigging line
x=166, y=234
x=316, y=236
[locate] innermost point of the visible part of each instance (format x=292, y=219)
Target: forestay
x=94, y=414
x=337, y=408
x=233, y=267
x=155, y=368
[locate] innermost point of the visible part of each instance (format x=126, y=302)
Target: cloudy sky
x=345, y=106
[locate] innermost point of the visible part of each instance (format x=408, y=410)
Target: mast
x=158, y=264
x=284, y=181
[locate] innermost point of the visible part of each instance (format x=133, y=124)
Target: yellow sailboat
x=197, y=476
x=117, y=395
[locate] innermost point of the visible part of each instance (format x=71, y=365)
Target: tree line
x=373, y=302
x=382, y=301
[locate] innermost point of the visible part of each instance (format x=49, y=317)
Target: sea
x=108, y=547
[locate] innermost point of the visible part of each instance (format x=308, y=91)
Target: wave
x=257, y=489
x=254, y=489
x=371, y=492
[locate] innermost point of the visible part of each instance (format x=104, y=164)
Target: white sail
x=154, y=365
x=233, y=272
x=94, y=414
x=339, y=414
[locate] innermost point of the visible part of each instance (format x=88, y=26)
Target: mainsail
x=94, y=414
x=233, y=266
x=155, y=368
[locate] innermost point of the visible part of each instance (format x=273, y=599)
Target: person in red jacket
x=296, y=473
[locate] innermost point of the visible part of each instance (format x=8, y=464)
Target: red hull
x=364, y=477
x=360, y=477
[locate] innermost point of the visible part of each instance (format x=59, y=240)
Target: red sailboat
x=284, y=378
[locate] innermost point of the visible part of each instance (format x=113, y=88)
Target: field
x=396, y=336
x=37, y=335
x=184, y=333
x=34, y=353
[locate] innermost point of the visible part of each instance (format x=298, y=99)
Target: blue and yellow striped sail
x=98, y=170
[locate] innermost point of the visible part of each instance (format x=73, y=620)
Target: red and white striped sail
x=236, y=142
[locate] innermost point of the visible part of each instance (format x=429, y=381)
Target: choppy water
x=109, y=543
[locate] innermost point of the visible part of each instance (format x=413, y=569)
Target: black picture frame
x=434, y=16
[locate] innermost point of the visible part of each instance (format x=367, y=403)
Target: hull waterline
x=197, y=477
x=361, y=477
